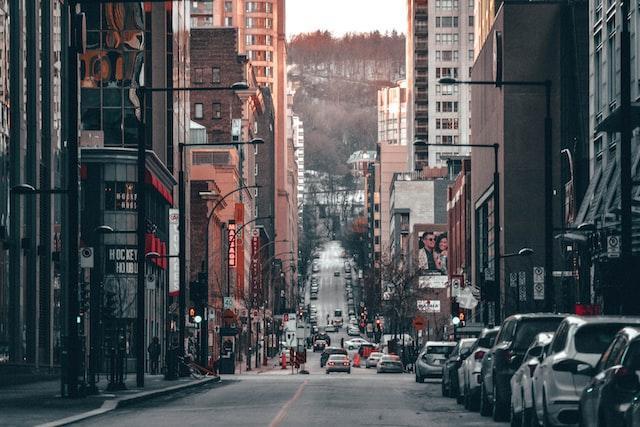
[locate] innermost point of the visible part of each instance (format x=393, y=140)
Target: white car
x=557, y=382
x=521, y=386
x=469, y=371
x=353, y=331
x=355, y=343
x=330, y=328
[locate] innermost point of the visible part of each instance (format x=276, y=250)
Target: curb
x=111, y=405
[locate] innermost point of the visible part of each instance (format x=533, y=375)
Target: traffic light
x=192, y=314
x=378, y=324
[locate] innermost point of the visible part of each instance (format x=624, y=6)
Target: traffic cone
x=356, y=360
x=283, y=361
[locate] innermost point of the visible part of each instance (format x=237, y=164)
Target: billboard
x=174, y=251
x=431, y=257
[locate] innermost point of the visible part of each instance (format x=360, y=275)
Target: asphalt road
x=282, y=398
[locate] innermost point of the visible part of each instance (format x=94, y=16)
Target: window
x=215, y=75
x=217, y=110
x=446, y=21
x=198, y=75
x=228, y=21
x=255, y=170
x=446, y=4
x=446, y=72
x=470, y=55
x=597, y=77
x=560, y=339
x=446, y=107
x=198, y=111
x=249, y=39
x=446, y=89
x=268, y=40
x=228, y=6
x=471, y=19
x=447, y=123
x=471, y=38
x=594, y=339
x=446, y=38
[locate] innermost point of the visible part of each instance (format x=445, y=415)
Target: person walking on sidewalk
x=154, y=355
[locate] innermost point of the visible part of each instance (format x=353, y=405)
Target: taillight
x=479, y=355
x=330, y=363
x=346, y=363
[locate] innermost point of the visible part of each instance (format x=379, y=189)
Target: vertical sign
x=255, y=269
x=239, y=217
x=231, y=243
x=538, y=283
x=522, y=286
x=456, y=286
x=174, y=251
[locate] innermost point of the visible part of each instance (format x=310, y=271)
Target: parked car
x=521, y=381
x=431, y=359
x=469, y=372
x=450, y=385
x=313, y=295
x=330, y=351
x=612, y=390
x=315, y=268
x=336, y=273
x=338, y=363
x=516, y=335
x=390, y=364
x=632, y=416
x=556, y=385
x=323, y=336
x=319, y=345
x=331, y=328
x=373, y=359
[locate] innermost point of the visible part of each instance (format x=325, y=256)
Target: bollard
x=356, y=360
x=283, y=361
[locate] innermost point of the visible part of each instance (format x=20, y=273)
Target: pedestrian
x=342, y=342
x=154, y=355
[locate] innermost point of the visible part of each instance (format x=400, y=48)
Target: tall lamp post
x=548, y=172
x=496, y=217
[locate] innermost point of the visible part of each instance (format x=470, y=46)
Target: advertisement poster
x=174, y=251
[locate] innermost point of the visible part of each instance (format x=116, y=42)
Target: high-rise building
x=392, y=150
x=440, y=41
x=30, y=153
x=298, y=136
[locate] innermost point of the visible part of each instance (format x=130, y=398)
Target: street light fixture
x=548, y=177
x=524, y=252
x=30, y=189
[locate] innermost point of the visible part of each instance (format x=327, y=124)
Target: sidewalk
x=40, y=403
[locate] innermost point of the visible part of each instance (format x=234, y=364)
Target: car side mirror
x=584, y=369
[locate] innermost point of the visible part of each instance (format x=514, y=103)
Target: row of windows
x=446, y=89
x=447, y=139
x=452, y=4
x=258, y=39
x=202, y=75
x=446, y=22
x=449, y=123
x=446, y=72
x=258, y=6
x=260, y=55
x=446, y=106
x=198, y=110
x=447, y=38
x=258, y=23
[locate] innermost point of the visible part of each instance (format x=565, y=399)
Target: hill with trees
x=336, y=81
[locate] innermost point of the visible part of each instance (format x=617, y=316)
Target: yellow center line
x=282, y=413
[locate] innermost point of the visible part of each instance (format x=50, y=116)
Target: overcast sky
x=344, y=16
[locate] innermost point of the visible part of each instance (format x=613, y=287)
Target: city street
x=362, y=398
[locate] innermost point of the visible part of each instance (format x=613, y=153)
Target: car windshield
x=444, y=350
x=594, y=339
x=337, y=357
x=337, y=313
x=529, y=328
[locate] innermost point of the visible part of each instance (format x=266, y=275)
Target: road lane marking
x=282, y=413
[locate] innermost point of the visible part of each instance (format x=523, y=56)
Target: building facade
x=440, y=41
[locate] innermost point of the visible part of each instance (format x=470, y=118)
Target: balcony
x=421, y=28
x=421, y=46
x=422, y=111
x=421, y=63
x=422, y=11
x=422, y=79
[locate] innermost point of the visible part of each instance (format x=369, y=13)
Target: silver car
x=469, y=372
x=391, y=364
x=431, y=359
x=373, y=359
x=338, y=363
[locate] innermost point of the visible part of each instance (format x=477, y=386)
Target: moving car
x=431, y=359
x=313, y=295
x=331, y=351
x=450, y=385
x=373, y=359
x=516, y=335
x=319, y=345
x=330, y=328
x=557, y=385
x=469, y=372
x=323, y=336
x=336, y=273
x=338, y=363
x=355, y=343
x=389, y=363
x=614, y=388
x=353, y=331
x=521, y=381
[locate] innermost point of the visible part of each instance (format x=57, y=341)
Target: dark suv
x=515, y=335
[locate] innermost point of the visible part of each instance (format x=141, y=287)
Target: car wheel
x=500, y=413
x=546, y=421
x=485, y=405
x=467, y=398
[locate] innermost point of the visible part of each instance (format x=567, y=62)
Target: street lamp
x=548, y=177
x=496, y=215
x=524, y=252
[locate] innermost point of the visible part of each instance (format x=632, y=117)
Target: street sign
x=428, y=306
x=466, y=299
x=86, y=257
x=419, y=323
x=538, y=283
x=613, y=247
x=513, y=280
x=566, y=273
x=522, y=286
x=538, y=274
x=456, y=286
x=228, y=303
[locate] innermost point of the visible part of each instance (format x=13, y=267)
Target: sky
x=343, y=16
